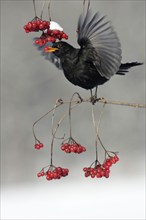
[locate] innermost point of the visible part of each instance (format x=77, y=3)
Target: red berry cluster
x=101, y=170
x=110, y=161
x=48, y=34
x=36, y=25
x=73, y=148
x=38, y=146
x=55, y=173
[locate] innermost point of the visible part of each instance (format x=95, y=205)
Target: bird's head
x=59, y=48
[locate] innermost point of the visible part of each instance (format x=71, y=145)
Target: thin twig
x=56, y=106
x=53, y=114
x=70, y=108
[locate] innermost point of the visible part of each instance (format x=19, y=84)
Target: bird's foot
x=94, y=99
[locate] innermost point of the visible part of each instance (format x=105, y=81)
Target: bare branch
x=111, y=102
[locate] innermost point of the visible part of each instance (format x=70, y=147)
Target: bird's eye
x=59, y=46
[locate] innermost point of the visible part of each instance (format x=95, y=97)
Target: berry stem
x=54, y=131
x=97, y=128
x=96, y=149
x=34, y=8
x=60, y=102
x=42, y=10
x=106, y=152
x=49, y=10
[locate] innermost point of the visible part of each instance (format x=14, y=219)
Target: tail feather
x=124, y=68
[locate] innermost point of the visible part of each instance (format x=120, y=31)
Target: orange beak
x=50, y=49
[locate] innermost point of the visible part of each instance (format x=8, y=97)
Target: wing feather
x=96, y=32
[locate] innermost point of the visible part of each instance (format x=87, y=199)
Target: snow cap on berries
x=55, y=26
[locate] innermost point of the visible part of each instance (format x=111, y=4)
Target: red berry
x=41, y=26
x=49, y=32
x=99, y=169
x=48, y=177
x=41, y=145
x=83, y=149
x=65, y=36
x=29, y=25
x=52, y=39
x=98, y=175
x=85, y=169
x=92, y=175
x=116, y=158
x=47, y=24
x=87, y=174
x=55, y=175
x=71, y=148
x=39, y=174
x=102, y=173
x=37, y=146
x=38, y=22
x=106, y=175
x=36, y=41
x=42, y=173
x=63, y=147
x=56, y=32
x=67, y=150
x=27, y=31
x=44, y=23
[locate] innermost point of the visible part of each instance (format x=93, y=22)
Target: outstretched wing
x=49, y=56
x=95, y=32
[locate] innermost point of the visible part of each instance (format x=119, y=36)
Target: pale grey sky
x=30, y=86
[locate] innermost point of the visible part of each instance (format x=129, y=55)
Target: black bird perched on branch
x=97, y=59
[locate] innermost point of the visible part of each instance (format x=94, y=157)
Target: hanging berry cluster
x=101, y=170
x=48, y=29
x=53, y=172
x=72, y=147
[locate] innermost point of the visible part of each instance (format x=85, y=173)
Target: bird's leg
x=91, y=92
x=93, y=98
x=95, y=95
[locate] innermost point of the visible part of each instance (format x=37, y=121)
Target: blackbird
x=97, y=59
